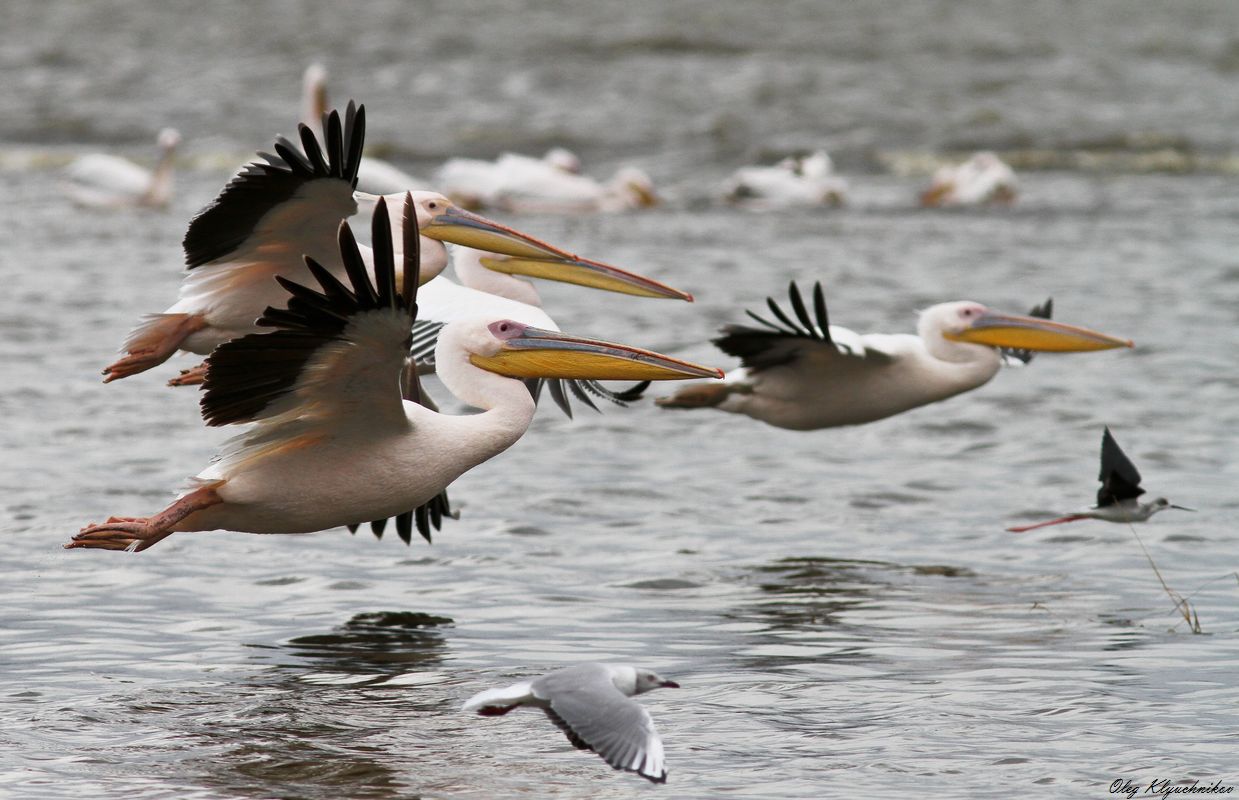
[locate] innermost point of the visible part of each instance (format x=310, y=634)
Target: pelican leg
x=194, y=376
x=152, y=343
x=139, y=533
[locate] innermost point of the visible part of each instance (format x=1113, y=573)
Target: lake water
x=843, y=608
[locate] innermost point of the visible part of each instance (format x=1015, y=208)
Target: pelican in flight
x=591, y=704
x=798, y=181
x=982, y=179
x=802, y=373
x=107, y=181
x=550, y=184
x=374, y=175
x=1118, y=497
x=335, y=442
x=289, y=205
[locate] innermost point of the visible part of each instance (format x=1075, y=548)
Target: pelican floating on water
x=520, y=183
x=335, y=443
x=1117, y=499
x=107, y=181
x=590, y=703
x=803, y=373
x=982, y=179
x=798, y=181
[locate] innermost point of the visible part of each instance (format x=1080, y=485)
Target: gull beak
x=584, y=272
x=1034, y=333
x=669, y=685
x=458, y=226
x=529, y=352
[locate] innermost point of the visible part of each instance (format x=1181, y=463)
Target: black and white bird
x=802, y=373
x=1118, y=498
x=591, y=704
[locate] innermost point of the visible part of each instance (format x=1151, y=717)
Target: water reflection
x=383, y=642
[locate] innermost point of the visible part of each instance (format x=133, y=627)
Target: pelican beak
x=535, y=353
x=1034, y=333
x=458, y=226
x=584, y=272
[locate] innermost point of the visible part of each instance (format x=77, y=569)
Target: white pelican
x=374, y=175
x=524, y=184
x=274, y=212
x=803, y=181
x=805, y=373
x=590, y=703
x=1117, y=498
x=335, y=443
x=982, y=179
x=108, y=181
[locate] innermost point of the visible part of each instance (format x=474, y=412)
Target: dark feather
x=1120, y=480
x=760, y=349
x=1043, y=311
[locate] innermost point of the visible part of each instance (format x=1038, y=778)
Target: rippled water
x=842, y=608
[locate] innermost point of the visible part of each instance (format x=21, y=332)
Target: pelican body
x=550, y=184
x=805, y=374
x=107, y=181
x=334, y=441
x=804, y=181
x=982, y=179
x=1118, y=499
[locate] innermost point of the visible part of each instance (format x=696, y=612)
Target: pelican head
x=169, y=138
x=635, y=187
x=516, y=350
x=563, y=159
x=973, y=323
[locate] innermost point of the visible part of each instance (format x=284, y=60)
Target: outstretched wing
x=288, y=205
x=335, y=352
x=1013, y=356
x=1120, y=480
x=794, y=336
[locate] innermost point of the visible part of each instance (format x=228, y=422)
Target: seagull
x=798, y=181
x=589, y=702
x=982, y=179
x=279, y=209
x=803, y=373
x=107, y=181
x=1117, y=498
x=335, y=441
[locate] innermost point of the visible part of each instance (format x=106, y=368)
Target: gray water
x=843, y=608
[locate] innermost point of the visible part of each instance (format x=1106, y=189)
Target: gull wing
x=1120, y=480
x=595, y=715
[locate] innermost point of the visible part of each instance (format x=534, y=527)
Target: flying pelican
x=521, y=183
x=374, y=175
x=1116, y=499
x=590, y=703
x=805, y=373
x=805, y=181
x=982, y=179
x=335, y=443
x=275, y=211
x=108, y=181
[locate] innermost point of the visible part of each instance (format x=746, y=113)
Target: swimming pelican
x=590, y=703
x=289, y=205
x=334, y=442
x=804, y=373
x=982, y=179
x=108, y=181
x=1117, y=498
x=521, y=183
x=804, y=181
x=374, y=175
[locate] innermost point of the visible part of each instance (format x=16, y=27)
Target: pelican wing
x=795, y=336
x=272, y=209
x=596, y=716
x=1120, y=480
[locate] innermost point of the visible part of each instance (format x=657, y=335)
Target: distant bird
x=336, y=441
x=107, y=181
x=798, y=181
x=802, y=373
x=982, y=179
x=1117, y=498
x=521, y=183
x=374, y=175
x=589, y=702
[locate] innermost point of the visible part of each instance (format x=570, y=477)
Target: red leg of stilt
x=1059, y=521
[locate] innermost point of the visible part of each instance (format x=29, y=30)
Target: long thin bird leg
x=1059, y=521
x=194, y=376
x=139, y=533
x=152, y=343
